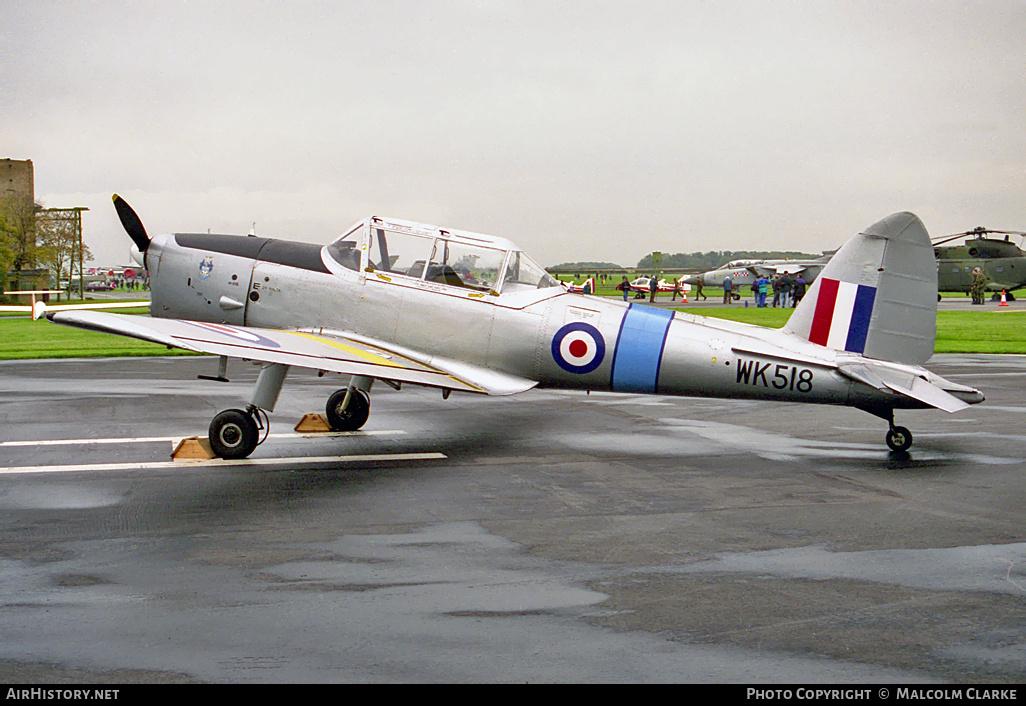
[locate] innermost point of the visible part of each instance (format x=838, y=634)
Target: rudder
x=877, y=296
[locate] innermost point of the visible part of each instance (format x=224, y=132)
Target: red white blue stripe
x=843, y=312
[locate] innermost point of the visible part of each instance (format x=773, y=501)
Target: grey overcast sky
x=582, y=130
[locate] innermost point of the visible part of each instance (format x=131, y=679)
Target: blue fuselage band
x=639, y=349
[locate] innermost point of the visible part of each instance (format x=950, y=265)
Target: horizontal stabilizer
x=903, y=383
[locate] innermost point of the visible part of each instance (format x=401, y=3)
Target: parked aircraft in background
x=38, y=308
x=745, y=272
x=1002, y=261
x=402, y=302
x=585, y=287
x=641, y=285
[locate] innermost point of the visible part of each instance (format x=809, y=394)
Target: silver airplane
x=745, y=272
x=404, y=302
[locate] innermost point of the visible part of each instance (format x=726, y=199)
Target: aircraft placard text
x=884, y=694
x=774, y=375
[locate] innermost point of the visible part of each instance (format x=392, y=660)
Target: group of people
x=130, y=284
x=787, y=290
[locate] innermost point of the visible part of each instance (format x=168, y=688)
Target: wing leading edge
x=333, y=352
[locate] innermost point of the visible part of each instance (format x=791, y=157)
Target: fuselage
x=738, y=273
x=504, y=316
x=1007, y=274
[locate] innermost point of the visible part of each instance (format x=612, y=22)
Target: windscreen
x=524, y=273
x=346, y=250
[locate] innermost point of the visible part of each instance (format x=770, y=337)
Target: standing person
x=727, y=290
x=698, y=289
x=762, y=285
x=676, y=290
x=799, y=290
x=978, y=285
x=786, y=285
x=777, y=290
x=625, y=287
x=653, y=287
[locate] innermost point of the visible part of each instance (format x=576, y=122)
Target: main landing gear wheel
x=899, y=438
x=233, y=434
x=353, y=415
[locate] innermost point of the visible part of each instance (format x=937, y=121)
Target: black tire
x=899, y=439
x=353, y=416
x=233, y=434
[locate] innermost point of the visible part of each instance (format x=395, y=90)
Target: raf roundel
x=578, y=348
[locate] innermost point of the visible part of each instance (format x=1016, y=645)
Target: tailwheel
x=234, y=433
x=899, y=438
x=348, y=409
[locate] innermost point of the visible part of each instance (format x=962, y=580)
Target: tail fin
x=877, y=296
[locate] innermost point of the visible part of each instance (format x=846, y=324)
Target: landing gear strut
x=898, y=438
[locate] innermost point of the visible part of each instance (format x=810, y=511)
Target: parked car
x=99, y=287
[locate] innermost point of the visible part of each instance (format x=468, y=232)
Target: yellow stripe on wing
x=382, y=360
x=352, y=350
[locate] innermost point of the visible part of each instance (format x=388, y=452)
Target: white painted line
x=220, y=462
x=77, y=442
x=176, y=439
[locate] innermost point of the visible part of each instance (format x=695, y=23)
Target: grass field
x=21, y=338
x=987, y=331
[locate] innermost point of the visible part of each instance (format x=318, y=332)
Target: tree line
x=714, y=258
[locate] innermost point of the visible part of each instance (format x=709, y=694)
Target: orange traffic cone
x=1004, y=301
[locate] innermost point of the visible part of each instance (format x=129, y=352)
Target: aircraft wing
x=336, y=352
x=772, y=270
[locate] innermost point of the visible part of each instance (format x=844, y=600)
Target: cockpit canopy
x=454, y=258
x=734, y=264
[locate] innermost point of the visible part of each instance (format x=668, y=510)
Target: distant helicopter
x=1002, y=261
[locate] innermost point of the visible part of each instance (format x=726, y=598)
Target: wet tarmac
x=547, y=537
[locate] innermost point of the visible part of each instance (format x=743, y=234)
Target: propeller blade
x=131, y=223
x=948, y=238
